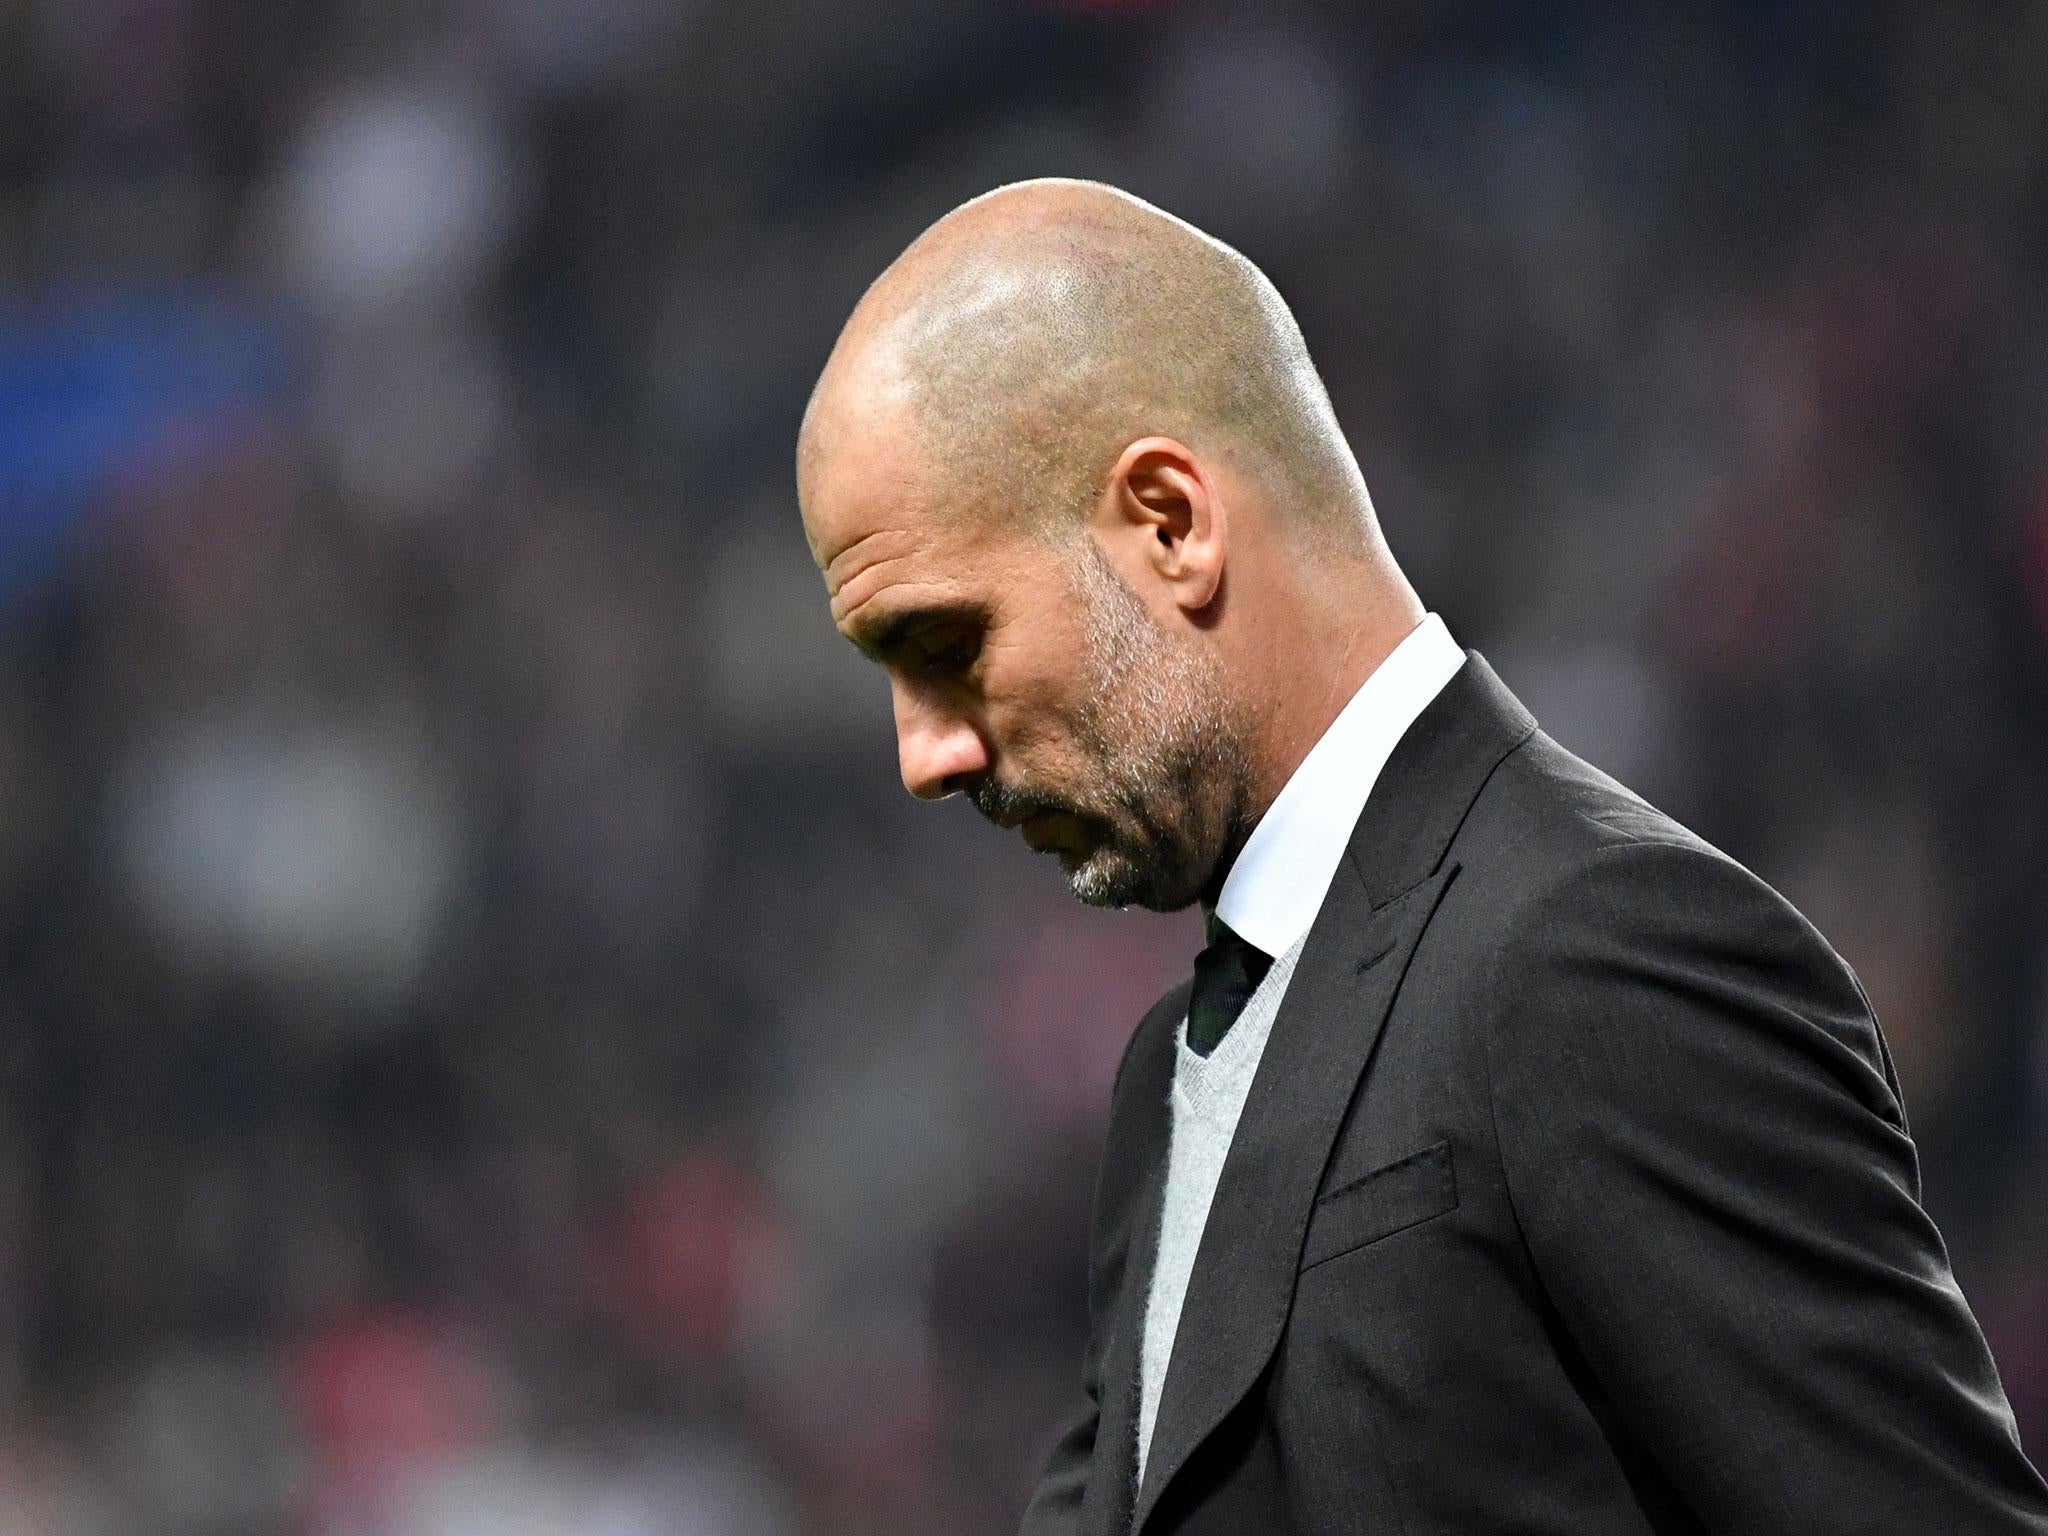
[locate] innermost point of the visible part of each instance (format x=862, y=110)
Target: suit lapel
x=1378, y=904
x=1138, y=1143
x=1243, y=1280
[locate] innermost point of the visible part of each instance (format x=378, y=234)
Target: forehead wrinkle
x=836, y=580
x=844, y=603
x=863, y=634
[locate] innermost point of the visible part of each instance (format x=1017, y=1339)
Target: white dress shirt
x=1274, y=890
x=1270, y=897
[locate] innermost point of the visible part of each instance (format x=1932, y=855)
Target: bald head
x=1023, y=340
x=1070, y=478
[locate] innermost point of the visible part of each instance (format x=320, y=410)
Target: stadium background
x=487, y=1044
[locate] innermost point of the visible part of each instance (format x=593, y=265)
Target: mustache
x=1006, y=805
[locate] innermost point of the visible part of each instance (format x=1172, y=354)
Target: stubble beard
x=1168, y=751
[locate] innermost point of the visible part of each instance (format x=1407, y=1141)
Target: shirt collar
x=1276, y=886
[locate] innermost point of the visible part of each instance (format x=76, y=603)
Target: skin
x=1072, y=483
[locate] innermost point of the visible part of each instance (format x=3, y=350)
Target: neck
x=1348, y=627
x=1296, y=704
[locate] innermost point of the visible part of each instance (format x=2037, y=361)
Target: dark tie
x=1227, y=972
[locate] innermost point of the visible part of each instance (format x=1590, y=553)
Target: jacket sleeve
x=1055, y=1507
x=1708, y=1158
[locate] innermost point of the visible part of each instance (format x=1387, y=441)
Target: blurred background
x=488, y=1046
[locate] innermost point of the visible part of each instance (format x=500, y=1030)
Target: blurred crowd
x=487, y=1044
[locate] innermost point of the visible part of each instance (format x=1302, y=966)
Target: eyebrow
x=878, y=638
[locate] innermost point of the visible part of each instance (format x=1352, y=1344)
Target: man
x=1513, y=1161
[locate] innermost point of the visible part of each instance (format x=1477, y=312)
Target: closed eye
x=925, y=643
x=943, y=650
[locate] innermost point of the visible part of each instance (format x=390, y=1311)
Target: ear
x=1165, y=510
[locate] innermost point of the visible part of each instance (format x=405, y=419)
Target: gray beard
x=1170, y=748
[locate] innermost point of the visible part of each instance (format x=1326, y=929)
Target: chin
x=1108, y=877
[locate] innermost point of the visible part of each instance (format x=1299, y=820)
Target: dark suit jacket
x=1574, y=1195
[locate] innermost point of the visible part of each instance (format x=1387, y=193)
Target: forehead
x=864, y=503
x=872, y=508
x=897, y=562
x=859, y=461
x=892, y=526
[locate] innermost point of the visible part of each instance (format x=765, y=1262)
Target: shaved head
x=1072, y=481
x=1043, y=326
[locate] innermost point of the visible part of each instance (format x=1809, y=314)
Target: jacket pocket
x=1378, y=1204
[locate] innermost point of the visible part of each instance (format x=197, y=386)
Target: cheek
x=1039, y=722
x=1039, y=685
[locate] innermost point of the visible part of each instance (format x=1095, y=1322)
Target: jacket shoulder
x=1598, y=893
x=1553, y=838
x=1547, y=807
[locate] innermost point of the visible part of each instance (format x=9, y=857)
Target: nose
x=937, y=748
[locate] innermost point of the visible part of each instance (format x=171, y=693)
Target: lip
x=1040, y=830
